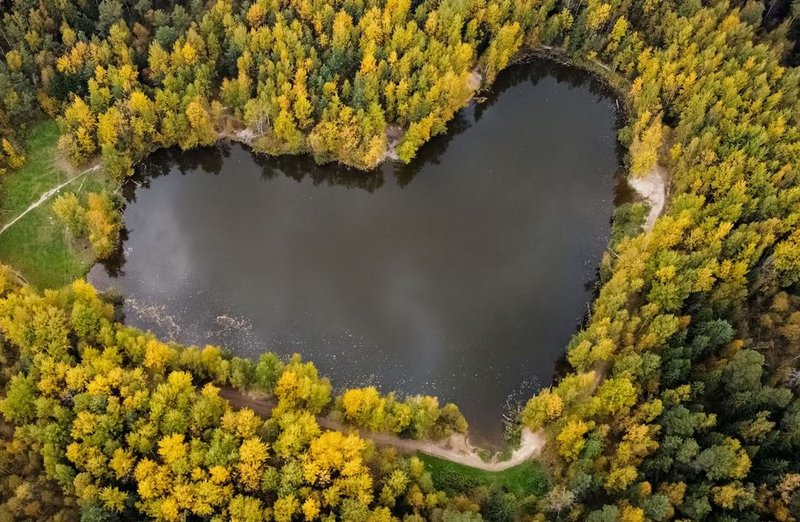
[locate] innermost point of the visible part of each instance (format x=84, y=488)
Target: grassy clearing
x=22, y=187
x=36, y=246
x=524, y=480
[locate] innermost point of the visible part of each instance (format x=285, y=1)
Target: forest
x=682, y=400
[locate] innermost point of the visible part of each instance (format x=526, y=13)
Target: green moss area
x=523, y=481
x=37, y=246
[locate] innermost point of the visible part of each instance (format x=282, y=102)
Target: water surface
x=462, y=275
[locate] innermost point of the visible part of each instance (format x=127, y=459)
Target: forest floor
x=652, y=187
x=455, y=448
x=31, y=239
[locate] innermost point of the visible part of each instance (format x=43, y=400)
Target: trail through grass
x=36, y=245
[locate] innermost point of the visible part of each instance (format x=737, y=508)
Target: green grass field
x=36, y=246
x=526, y=479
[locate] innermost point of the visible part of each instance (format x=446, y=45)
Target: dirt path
x=47, y=195
x=456, y=448
x=653, y=188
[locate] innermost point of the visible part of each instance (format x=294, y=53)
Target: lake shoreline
x=547, y=54
x=488, y=186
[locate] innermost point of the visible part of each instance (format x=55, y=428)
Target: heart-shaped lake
x=462, y=275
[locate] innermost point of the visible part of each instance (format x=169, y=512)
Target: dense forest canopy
x=327, y=78
x=682, y=402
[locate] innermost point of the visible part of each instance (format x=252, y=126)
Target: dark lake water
x=462, y=275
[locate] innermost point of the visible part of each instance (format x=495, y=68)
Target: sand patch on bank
x=652, y=187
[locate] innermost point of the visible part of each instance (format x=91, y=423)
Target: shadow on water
x=537, y=69
x=211, y=159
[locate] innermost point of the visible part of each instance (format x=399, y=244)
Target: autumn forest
x=679, y=393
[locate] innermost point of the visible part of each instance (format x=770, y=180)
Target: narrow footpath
x=456, y=448
x=47, y=195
